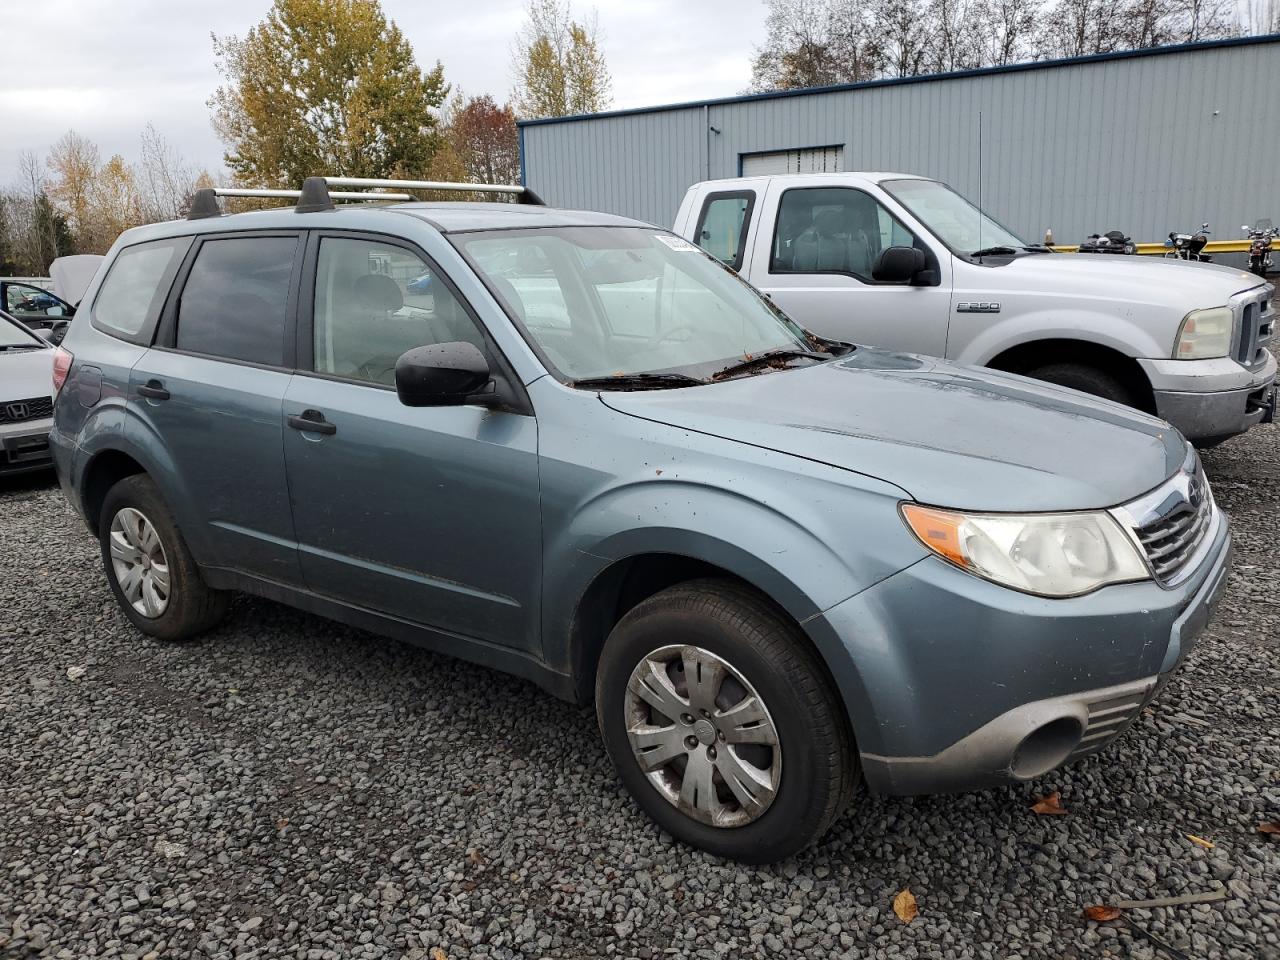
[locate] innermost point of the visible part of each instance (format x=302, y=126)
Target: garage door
x=809, y=160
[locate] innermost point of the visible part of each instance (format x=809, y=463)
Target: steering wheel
x=674, y=335
x=369, y=370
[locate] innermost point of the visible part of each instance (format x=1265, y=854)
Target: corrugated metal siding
x=1144, y=145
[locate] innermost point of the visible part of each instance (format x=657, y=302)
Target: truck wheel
x=1086, y=379
x=152, y=573
x=722, y=724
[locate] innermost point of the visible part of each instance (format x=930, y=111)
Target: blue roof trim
x=922, y=78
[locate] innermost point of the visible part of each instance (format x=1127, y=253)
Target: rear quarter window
x=129, y=301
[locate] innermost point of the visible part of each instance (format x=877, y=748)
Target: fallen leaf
x=568, y=888
x=1102, y=913
x=476, y=857
x=438, y=954
x=1271, y=827
x=1200, y=841
x=469, y=885
x=904, y=905
x=282, y=823
x=1052, y=804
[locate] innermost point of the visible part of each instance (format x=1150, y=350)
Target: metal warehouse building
x=1145, y=141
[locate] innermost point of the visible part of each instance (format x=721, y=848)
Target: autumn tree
x=484, y=136
x=813, y=43
x=324, y=87
x=32, y=232
x=559, y=67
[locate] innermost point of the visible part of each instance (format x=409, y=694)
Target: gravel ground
x=289, y=787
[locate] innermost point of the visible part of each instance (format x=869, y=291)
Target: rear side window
x=235, y=301
x=131, y=297
x=722, y=226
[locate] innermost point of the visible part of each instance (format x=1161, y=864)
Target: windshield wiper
x=638, y=381
x=994, y=252
x=767, y=359
x=20, y=346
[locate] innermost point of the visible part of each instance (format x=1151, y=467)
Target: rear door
x=209, y=394
x=429, y=514
x=814, y=254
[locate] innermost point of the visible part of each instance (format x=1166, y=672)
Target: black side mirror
x=444, y=375
x=898, y=264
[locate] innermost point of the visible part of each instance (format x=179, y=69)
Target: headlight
x=1049, y=554
x=1204, y=334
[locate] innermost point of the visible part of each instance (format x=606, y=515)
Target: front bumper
x=24, y=447
x=1212, y=399
x=954, y=683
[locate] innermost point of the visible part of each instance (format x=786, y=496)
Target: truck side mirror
x=898, y=264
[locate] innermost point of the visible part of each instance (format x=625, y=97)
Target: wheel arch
x=1032, y=354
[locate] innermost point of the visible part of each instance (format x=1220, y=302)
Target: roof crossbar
x=205, y=202
x=522, y=194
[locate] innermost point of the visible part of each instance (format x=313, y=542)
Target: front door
x=430, y=514
x=210, y=395
x=815, y=257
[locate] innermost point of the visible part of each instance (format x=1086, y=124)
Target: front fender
x=1120, y=331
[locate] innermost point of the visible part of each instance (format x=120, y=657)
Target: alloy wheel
x=703, y=736
x=139, y=562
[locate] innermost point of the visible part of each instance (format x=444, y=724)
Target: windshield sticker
x=676, y=243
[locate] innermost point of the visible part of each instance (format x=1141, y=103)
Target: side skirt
x=481, y=652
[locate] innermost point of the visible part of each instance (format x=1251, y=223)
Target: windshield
x=12, y=335
x=953, y=219
x=623, y=301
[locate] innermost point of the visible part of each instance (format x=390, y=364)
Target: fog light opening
x=1046, y=747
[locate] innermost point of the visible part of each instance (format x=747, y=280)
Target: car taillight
x=61, y=367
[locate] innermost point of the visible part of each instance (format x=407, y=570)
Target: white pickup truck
x=907, y=263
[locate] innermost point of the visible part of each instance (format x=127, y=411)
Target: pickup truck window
x=956, y=222
x=722, y=225
x=833, y=230
x=618, y=302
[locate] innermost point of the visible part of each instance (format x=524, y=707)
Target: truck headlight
x=1204, y=334
x=1048, y=554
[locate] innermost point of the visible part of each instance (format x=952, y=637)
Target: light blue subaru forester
x=786, y=569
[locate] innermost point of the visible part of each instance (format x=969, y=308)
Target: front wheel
x=151, y=572
x=1086, y=379
x=722, y=724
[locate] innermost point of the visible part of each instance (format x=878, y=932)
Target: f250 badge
x=978, y=306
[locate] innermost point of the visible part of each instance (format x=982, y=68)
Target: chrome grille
x=1170, y=541
x=17, y=411
x=1257, y=312
x=1109, y=716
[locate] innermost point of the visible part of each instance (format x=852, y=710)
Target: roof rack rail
x=205, y=202
x=523, y=194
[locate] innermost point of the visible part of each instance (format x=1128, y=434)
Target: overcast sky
x=108, y=67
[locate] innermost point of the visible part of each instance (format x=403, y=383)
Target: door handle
x=312, y=421
x=153, y=390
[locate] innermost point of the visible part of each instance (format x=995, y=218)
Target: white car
x=26, y=398
x=906, y=263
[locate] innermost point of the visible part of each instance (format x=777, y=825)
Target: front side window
x=614, y=301
x=22, y=298
x=374, y=301
x=833, y=230
x=956, y=222
x=722, y=226
x=235, y=301
x=129, y=300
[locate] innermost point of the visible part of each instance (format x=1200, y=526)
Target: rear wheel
x=722, y=724
x=1086, y=379
x=152, y=573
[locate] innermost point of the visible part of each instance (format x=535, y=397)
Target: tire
x=816, y=767
x=189, y=607
x=1086, y=379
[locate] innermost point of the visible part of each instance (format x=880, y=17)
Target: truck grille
x=1257, y=326
x=17, y=411
x=1170, y=541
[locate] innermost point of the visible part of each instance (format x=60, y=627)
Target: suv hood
x=951, y=436
x=25, y=374
x=1178, y=283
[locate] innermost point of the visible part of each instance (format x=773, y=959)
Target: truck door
x=814, y=253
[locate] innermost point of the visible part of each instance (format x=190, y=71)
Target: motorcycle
x=1113, y=241
x=1187, y=246
x=1260, y=237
